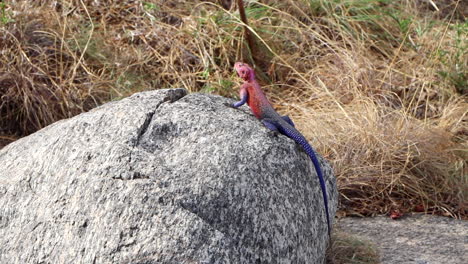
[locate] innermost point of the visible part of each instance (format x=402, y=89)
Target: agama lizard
x=252, y=94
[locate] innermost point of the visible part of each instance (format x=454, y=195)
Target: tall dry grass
x=377, y=86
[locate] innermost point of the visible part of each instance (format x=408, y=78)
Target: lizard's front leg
x=244, y=95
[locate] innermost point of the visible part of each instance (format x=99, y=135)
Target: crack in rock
x=172, y=96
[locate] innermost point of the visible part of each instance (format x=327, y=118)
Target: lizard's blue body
x=252, y=94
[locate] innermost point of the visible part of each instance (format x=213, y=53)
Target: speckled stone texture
x=161, y=177
x=413, y=239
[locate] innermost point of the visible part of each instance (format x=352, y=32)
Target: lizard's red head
x=244, y=71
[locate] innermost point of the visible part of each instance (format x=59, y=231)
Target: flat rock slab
x=161, y=177
x=418, y=239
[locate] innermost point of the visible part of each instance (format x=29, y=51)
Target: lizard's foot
x=288, y=120
x=270, y=125
x=230, y=105
x=238, y=104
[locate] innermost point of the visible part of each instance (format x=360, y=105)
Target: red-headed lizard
x=252, y=94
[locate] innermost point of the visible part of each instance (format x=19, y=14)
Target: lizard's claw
x=237, y=104
x=231, y=105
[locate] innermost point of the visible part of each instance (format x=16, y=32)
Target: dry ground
x=415, y=238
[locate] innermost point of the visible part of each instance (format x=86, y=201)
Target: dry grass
x=379, y=87
x=348, y=249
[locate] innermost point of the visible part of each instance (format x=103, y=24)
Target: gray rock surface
x=161, y=177
x=417, y=239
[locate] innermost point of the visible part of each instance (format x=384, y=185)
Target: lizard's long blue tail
x=291, y=132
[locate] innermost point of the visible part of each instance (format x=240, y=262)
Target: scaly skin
x=252, y=94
